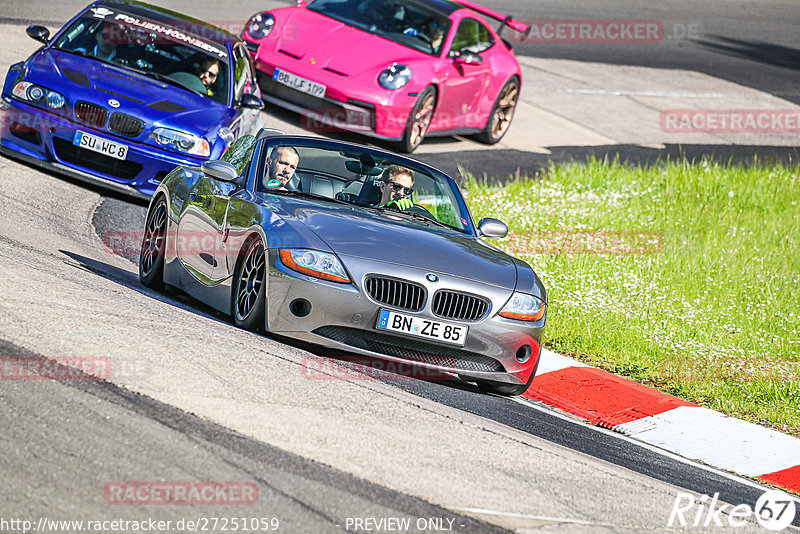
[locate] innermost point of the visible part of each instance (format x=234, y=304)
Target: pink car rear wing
x=508, y=21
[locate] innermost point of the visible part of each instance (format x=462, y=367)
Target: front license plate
x=98, y=144
x=299, y=84
x=421, y=327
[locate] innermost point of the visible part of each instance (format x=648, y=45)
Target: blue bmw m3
x=125, y=92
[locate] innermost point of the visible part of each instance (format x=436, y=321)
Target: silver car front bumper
x=344, y=317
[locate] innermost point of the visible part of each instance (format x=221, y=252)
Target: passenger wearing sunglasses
x=208, y=73
x=397, y=184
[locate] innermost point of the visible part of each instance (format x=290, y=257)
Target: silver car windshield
x=405, y=22
x=373, y=180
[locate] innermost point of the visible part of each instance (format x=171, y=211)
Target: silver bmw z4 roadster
x=352, y=248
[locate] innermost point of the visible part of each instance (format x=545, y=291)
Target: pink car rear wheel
x=503, y=111
x=419, y=120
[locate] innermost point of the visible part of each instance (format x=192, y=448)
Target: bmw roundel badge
x=432, y=277
x=113, y=103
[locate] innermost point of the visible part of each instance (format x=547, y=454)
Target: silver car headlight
x=395, y=76
x=260, y=25
x=523, y=307
x=35, y=93
x=314, y=263
x=181, y=141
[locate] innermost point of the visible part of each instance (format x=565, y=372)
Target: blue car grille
x=125, y=125
x=91, y=114
x=459, y=306
x=397, y=293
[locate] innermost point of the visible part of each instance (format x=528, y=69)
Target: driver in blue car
x=208, y=71
x=281, y=164
x=106, y=36
x=397, y=184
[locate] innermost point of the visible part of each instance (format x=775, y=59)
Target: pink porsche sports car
x=393, y=69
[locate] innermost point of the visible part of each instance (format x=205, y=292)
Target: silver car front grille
x=459, y=306
x=411, y=349
x=397, y=293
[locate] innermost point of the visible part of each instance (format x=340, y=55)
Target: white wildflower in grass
x=683, y=275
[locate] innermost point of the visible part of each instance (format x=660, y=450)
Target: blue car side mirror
x=38, y=33
x=252, y=101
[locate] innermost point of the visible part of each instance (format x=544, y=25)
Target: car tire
x=502, y=112
x=419, y=120
x=151, y=254
x=249, y=287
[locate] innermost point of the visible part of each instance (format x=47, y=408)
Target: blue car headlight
x=38, y=94
x=260, y=25
x=395, y=76
x=181, y=141
x=314, y=263
x=523, y=307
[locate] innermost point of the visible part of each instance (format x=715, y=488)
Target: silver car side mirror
x=220, y=170
x=490, y=227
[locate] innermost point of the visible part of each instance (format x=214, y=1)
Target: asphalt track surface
x=749, y=43
x=114, y=423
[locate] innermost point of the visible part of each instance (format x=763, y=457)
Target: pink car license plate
x=299, y=84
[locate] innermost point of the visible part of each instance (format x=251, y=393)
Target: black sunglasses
x=400, y=187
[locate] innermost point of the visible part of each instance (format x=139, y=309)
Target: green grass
x=682, y=276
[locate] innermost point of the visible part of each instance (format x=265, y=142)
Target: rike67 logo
x=774, y=510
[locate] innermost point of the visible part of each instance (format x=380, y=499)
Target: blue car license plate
x=100, y=145
x=422, y=327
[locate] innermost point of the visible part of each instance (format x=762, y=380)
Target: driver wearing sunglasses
x=208, y=72
x=397, y=184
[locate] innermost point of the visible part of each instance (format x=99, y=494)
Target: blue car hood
x=365, y=233
x=155, y=102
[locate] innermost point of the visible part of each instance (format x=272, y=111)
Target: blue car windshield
x=153, y=49
x=370, y=179
x=405, y=22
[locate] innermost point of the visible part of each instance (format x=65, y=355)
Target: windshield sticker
x=101, y=12
x=171, y=33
